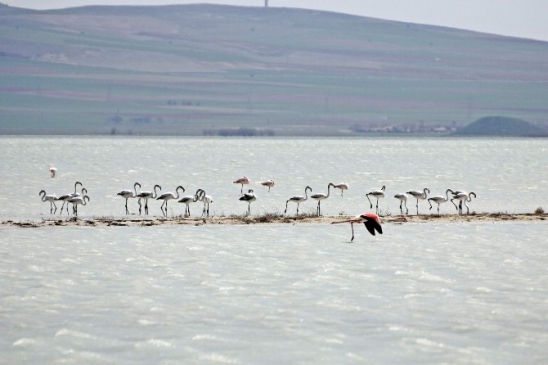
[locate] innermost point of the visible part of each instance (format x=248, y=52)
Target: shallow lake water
x=436, y=292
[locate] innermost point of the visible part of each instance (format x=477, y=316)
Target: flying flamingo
x=419, y=195
x=126, y=194
x=343, y=186
x=298, y=199
x=52, y=171
x=403, y=201
x=438, y=199
x=248, y=197
x=146, y=195
x=168, y=196
x=464, y=198
x=76, y=201
x=190, y=199
x=206, y=199
x=66, y=197
x=269, y=183
x=370, y=220
x=242, y=181
x=319, y=197
x=49, y=198
x=376, y=194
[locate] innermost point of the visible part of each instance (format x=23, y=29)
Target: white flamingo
x=343, y=186
x=242, y=181
x=49, y=198
x=146, y=195
x=376, y=194
x=169, y=196
x=403, y=201
x=464, y=198
x=76, y=201
x=438, y=199
x=52, y=171
x=370, y=220
x=248, y=197
x=298, y=199
x=206, y=199
x=419, y=195
x=126, y=194
x=319, y=197
x=268, y=183
x=66, y=197
x=187, y=200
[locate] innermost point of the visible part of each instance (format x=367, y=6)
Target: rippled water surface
x=437, y=292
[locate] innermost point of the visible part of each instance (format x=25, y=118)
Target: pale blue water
x=459, y=293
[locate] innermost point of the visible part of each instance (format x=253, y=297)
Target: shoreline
x=266, y=219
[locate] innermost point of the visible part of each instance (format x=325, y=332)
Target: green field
x=179, y=70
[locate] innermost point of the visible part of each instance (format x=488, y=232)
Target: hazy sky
x=520, y=18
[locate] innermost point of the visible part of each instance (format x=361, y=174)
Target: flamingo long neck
x=135, y=189
x=424, y=193
x=328, y=187
x=306, y=193
x=43, y=195
x=155, y=193
x=75, y=185
x=447, y=194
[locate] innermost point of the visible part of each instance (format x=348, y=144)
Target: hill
x=502, y=126
x=195, y=69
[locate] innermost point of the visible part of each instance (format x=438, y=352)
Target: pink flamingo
x=269, y=183
x=242, y=181
x=370, y=220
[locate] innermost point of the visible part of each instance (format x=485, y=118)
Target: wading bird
x=419, y=195
x=269, y=183
x=343, y=186
x=206, y=199
x=52, y=171
x=146, y=195
x=319, y=197
x=187, y=200
x=242, y=181
x=65, y=198
x=49, y=198
x=76, y=201
x=464, y=198
x=126, y=194
x=248, y=197
x=370, y=220
x=376, y=194
x=169, y=196
x=403, y=201
x=298, y=199
x=438, y=199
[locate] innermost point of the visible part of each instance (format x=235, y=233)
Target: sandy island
x=266, y=219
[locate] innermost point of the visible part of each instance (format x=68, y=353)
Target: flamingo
x=66, y=197
x=456, y=192
x=78, y=200
x=248, y=197
x=269, y=183
x=168, y=196
x=126, y=194
x=438, y=199
x=242, y=181
x=190, y=199
x=319, y=197
x=49, y=198
x=146, y=195
x=370, y=220
x=419, y=195
x=343, y=186
x=206, y=199
x=376, y=194
x=403, y=201
x=298, y=199
x=52, y=171
x=464, y=198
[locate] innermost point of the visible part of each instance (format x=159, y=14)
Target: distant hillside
x=502, y=126
x=195, y=69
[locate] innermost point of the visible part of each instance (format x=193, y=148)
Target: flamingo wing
x=372, y=223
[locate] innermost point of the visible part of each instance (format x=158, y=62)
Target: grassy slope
x=180, y=69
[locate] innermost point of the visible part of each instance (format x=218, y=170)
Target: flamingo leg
x=352, y=226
